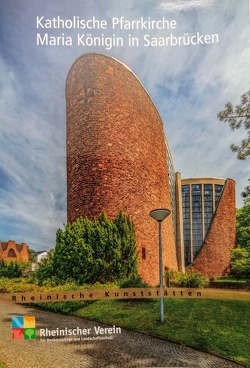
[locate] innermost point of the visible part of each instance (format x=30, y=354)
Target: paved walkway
x=125, y=350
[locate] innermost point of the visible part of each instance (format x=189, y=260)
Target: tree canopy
x=240, y=262
x=240, y=257
x=31, y=253
x=93, y=251
x=243, y=225
x=239, y=117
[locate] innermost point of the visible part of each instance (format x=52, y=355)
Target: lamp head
x=159, y=214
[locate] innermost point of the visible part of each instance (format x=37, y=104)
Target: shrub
x=189, y=279
x=194, y=280
x=17, y=285
x=133, y=282
x=12, y=269
x=92, y=251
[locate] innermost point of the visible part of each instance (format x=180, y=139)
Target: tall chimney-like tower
x=116, y=155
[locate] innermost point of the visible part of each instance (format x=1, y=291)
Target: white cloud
x=188, y=85
x=185, y=5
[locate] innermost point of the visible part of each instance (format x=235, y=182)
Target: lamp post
x=159, y=215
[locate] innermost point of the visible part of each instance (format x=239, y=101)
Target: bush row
x=12, y=269
x=189, y=279
x=230, y=285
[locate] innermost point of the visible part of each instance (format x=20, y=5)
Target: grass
x=231, y=279
x=216, y=326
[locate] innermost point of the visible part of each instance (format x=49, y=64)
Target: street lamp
x=159, y=215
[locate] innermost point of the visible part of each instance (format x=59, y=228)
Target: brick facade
x=11, y=250
x=116, y=155
x=214, y=257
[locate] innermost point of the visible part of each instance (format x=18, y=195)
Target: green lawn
x=216, y=326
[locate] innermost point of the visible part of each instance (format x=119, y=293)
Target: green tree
x=126, y=230
x=73, y=258
x=239, y=117
x=94, y=251
x=240, y=262
x=45, y=270
x=31, y=253
x=243, y=225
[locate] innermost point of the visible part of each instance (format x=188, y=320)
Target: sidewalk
x=125, y=350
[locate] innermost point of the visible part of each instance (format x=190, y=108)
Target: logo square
x=23, y=328
x=17, y=333
x=29, y=333
x=17, y=322
x=29, y=322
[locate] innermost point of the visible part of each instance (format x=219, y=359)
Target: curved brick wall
x=214, y=257
x=116, y=158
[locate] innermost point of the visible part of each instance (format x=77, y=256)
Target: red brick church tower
x=116, y=155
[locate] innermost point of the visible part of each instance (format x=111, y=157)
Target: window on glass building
x=199, y=201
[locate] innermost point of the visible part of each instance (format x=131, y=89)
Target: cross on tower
x=86, y=95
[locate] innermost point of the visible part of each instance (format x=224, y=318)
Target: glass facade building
x=200, y=198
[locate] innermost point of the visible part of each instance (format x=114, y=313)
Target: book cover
x=116, y=174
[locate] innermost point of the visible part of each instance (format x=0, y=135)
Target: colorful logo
x=23, y=328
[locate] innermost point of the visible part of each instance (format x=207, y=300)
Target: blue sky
x=188, y=84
